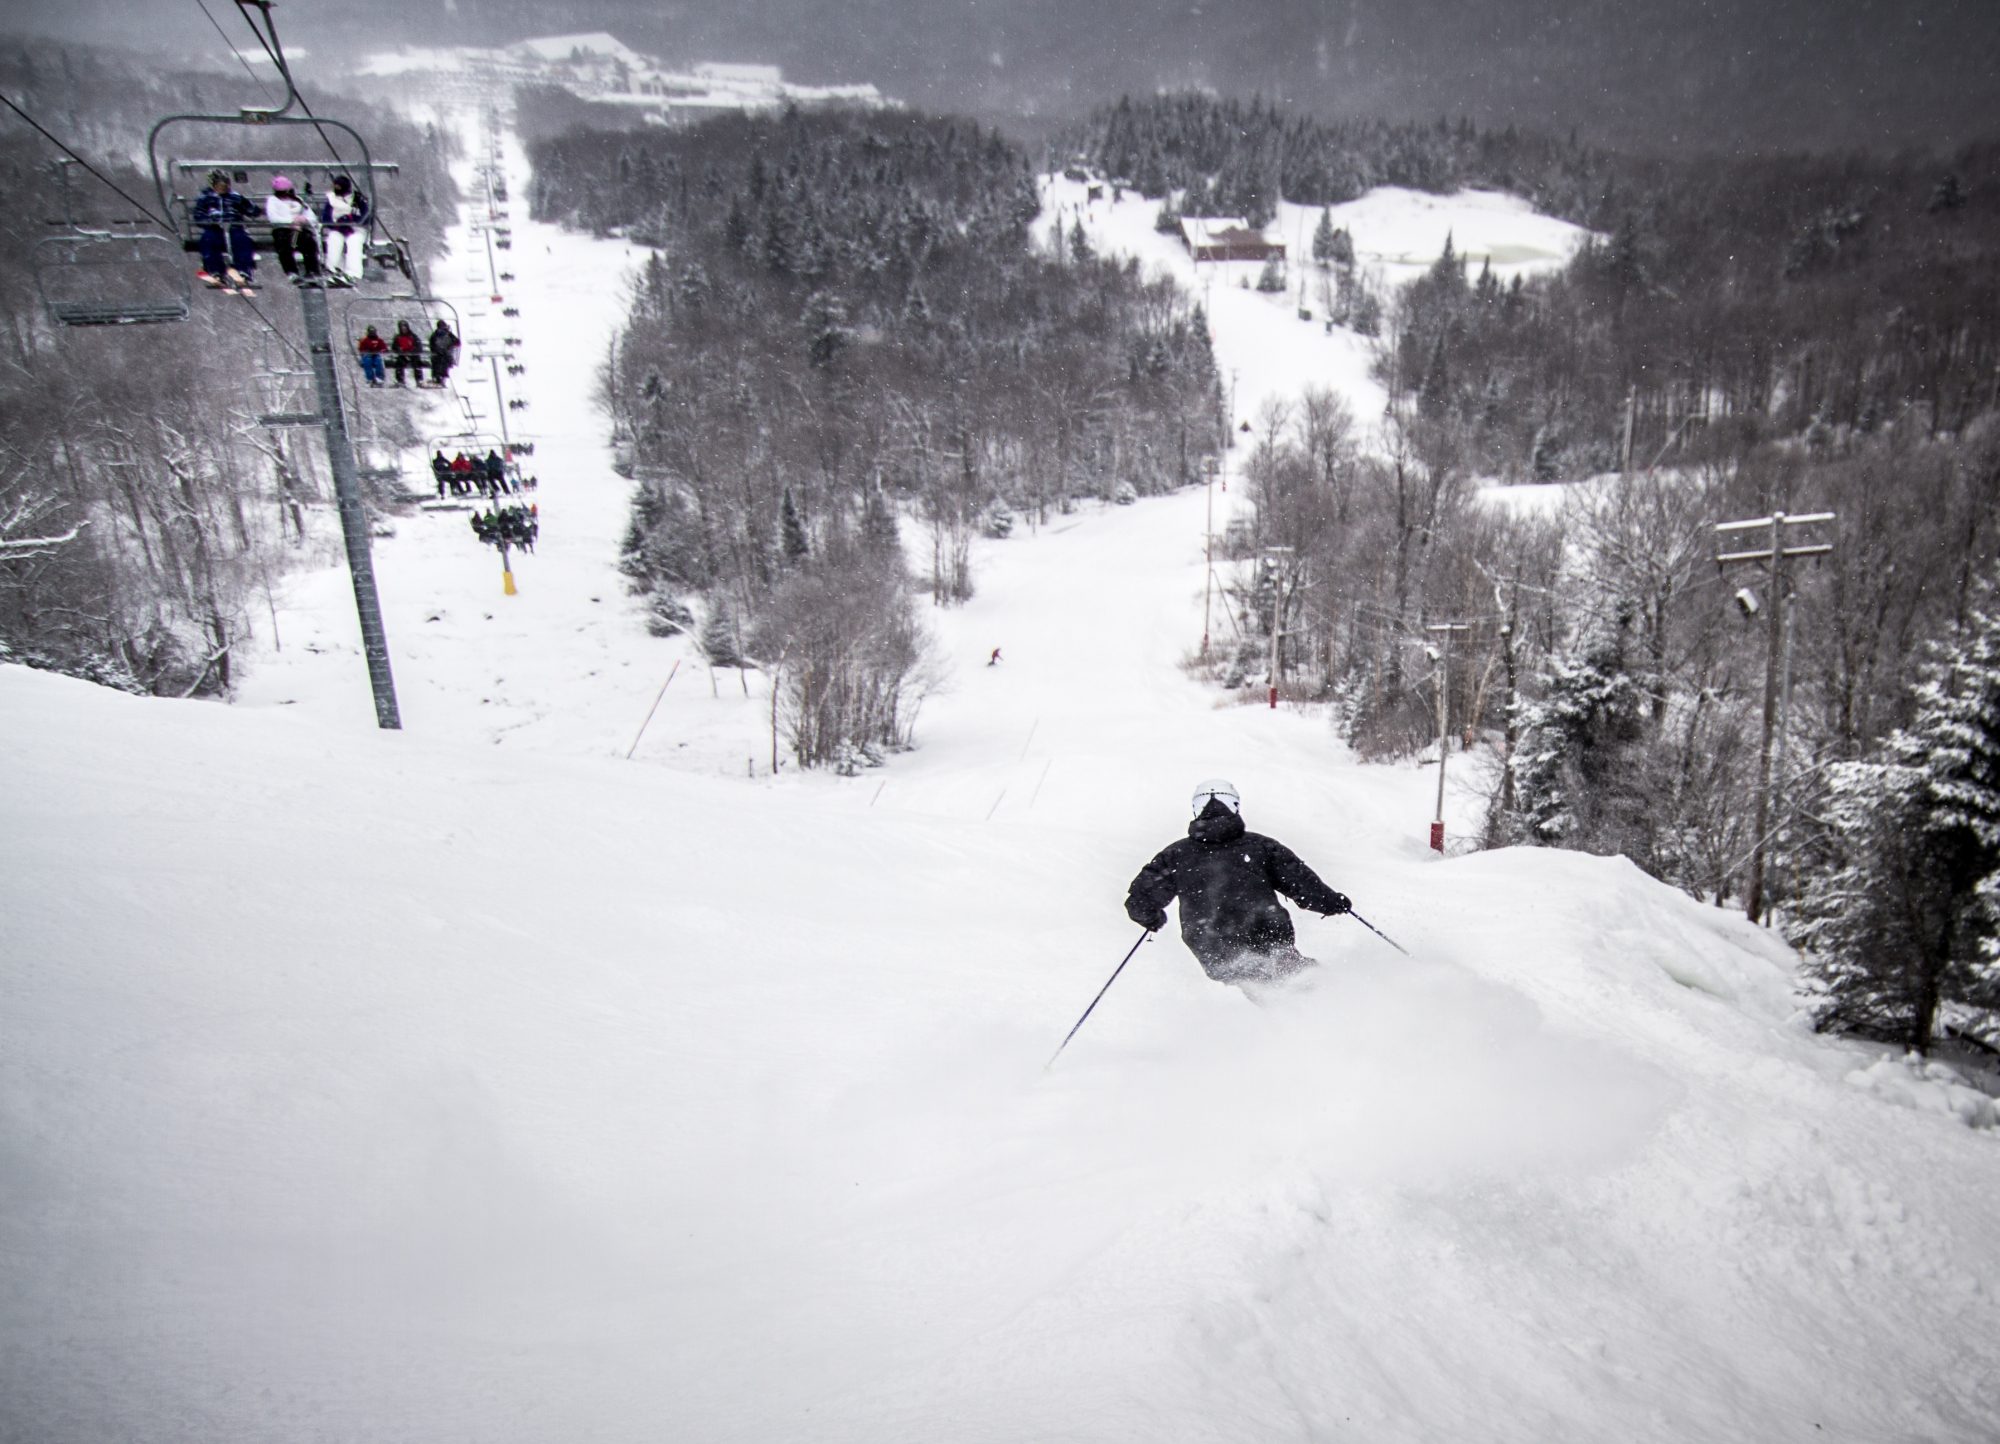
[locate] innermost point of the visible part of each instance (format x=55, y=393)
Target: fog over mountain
x=1640, y=74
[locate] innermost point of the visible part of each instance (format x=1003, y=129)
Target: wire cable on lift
x=262, y=83
x=47, y=135
x=138, y=206
x=275, y=49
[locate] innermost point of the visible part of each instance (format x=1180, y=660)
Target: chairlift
x=102, y=277
x=476, y=446
x=383, y=312
x=178, y=181
x=313, y=179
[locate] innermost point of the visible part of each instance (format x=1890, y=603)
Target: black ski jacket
x=1228, y=881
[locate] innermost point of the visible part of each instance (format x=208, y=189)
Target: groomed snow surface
x=473, y=1083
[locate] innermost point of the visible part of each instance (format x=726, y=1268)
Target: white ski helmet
x=1219, y=790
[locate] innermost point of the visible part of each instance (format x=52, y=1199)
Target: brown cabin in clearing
x=1226, y=238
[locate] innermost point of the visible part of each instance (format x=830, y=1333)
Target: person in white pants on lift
x=344, y=217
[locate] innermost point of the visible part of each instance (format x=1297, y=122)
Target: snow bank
x=1929, y=1087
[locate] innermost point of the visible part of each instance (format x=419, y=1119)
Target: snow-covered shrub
x=850, y=654
x=667, y=616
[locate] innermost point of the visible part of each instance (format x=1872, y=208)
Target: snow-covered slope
x=472, y=1083
x=360, y=1085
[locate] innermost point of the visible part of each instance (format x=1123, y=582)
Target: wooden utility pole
x=1209, y=465
x=1276, y=556
x=1445, y=630
x=1777, y=556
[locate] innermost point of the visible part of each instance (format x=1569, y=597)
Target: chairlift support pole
x=500, y=407
x=353, y=510
x=492, y=267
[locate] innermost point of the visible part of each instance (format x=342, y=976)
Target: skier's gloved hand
x=1340, y=905
x=1153, y=922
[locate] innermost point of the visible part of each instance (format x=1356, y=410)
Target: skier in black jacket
x=1228, y=881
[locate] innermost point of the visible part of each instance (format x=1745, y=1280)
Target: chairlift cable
x=262, y=83
x=143, y=210
x=275, y=49
x=271, y=326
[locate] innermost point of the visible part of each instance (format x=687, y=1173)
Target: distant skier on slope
x=1228, y=880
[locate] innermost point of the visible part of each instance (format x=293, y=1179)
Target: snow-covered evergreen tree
x=1904, y=918
x=1573, y=772
x=721, y=641
x=826, y=328
x=1323, y=238
x=792, y=532
x=879, y=537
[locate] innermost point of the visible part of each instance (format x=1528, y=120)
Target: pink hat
x=279, y=183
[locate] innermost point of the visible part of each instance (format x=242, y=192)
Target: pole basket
x=1437, y=837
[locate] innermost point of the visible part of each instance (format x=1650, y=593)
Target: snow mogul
x=1228, y=880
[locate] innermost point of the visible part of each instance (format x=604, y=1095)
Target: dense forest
x=1806, y=335
x=143, y=511
x=849, y=317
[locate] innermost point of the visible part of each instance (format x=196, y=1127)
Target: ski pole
x=1144, y=934
x=1378, y=932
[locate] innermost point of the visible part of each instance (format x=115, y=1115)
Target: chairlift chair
x=103, y=278
x=385, y=311
x=95, y=276
x=252, y=178
x=179, y=181
x=476, y=445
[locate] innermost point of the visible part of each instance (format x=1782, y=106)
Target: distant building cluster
x=600, y=67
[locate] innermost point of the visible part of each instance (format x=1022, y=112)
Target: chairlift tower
x=354, y=523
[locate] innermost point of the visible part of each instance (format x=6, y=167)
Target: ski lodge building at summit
x=1227, y=238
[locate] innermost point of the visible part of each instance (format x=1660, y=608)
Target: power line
x=100, y=175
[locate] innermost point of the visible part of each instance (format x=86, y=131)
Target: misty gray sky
x=1648, y=74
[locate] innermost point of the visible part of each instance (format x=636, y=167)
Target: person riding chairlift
x=218, y=210
x=345, y=216
x=294, y=230
x=372, y=349
x=406, y=353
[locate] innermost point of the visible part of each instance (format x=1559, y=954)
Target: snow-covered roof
x=763, y=75
x=1213, y=231
x=597, y=44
